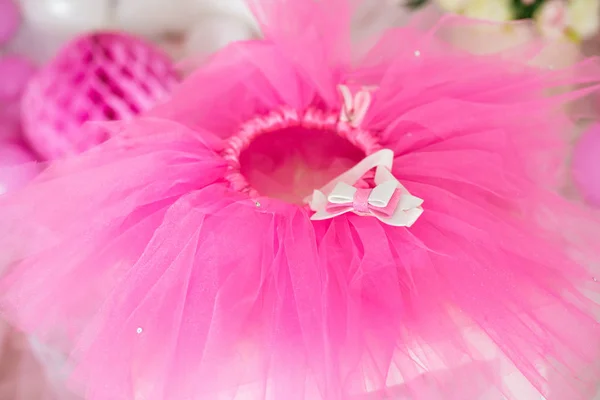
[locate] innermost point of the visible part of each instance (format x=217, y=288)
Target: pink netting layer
x=164, y=283
x=98, y=77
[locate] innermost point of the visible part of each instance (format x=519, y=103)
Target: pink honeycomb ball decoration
x=98, y=77
x=586, y=165
x=18, y=166
x=10, y=20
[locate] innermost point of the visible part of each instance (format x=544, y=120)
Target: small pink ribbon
x=355, y=106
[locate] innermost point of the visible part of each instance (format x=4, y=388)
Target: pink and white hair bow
x=388, y=201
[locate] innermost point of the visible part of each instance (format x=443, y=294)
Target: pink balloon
x=10, y=19
x=586, y=165
x=15, y=73
x=9, y=131
x=10, y=122
x=18, y=166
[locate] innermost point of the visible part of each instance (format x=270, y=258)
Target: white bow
x=389, y=201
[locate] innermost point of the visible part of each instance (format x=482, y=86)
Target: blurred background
x=67, y=62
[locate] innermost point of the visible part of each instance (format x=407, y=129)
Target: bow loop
x=342, y=193
x=382, y=194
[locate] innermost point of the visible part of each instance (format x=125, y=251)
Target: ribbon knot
x=360, y=202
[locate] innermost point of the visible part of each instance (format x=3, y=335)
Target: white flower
x=454, y=6
x=584, y=17
x=490, y=10
x=552, y=18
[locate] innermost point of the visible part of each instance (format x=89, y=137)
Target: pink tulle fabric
x=164, y=282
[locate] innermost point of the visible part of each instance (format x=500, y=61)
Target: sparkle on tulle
x=139, y=330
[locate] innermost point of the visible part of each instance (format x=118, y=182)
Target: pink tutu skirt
x=190, y=258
